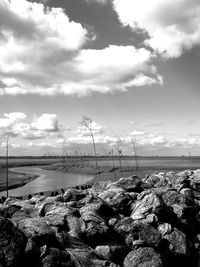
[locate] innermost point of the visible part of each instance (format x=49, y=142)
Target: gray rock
x=113, y=253
x=25, y=213
x=172, y=197
x=132, y=231
x=165, y=229
x=179, y=243
x=38, y=230
x=130, y=184
x=147, y=203
x=143, y=257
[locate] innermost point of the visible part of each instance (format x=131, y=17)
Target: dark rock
x=143, y=257
x=172, y=197
x=179, y=243
x=32, y=254
x=53, y=257
x=7, y=211
x=122, y=202
x=12, y=244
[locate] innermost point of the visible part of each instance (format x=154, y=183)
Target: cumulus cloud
x=46, y=122
x=172, y=26
x=42, y=53
x=10, y=119
x=82, y=134
x=13, y=124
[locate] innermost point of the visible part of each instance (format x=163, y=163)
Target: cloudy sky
x=131, y=66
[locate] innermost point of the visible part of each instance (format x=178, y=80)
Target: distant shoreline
x=106, y=173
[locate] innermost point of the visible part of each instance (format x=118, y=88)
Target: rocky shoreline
x=146, y=222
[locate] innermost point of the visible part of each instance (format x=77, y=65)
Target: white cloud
x=13, y=124
x=82, y=135
x=173, y=26
x=46, y=122
x=10, y=119
x=41, y=52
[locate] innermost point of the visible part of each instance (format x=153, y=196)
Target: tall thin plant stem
x=86, y=122
x=7, y=154
x=119, y=155
x=134, y=143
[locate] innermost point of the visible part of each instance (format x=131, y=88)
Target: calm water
x=47, y=181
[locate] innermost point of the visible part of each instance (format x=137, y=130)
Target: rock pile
x=132, y=222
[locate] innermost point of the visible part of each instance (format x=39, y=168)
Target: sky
x=132, y=67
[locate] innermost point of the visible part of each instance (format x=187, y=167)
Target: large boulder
x=143, y=257
x=49, y=205
x=38, y=230
x=96, y=217
x=156, y=180
x=147, y=203
x=179, y=243
x=121, y=201
x=171, y=197
x=133, y=231
x=24, y=213
x=57, y=216
x=7, y=211
x=12, y=244
x=130, y=184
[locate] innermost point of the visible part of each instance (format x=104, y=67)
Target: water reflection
x=47, y=181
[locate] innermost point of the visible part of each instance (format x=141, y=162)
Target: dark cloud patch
x=104, y=22
x=194, y=134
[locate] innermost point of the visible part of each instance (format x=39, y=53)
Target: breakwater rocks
x=131, y=222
